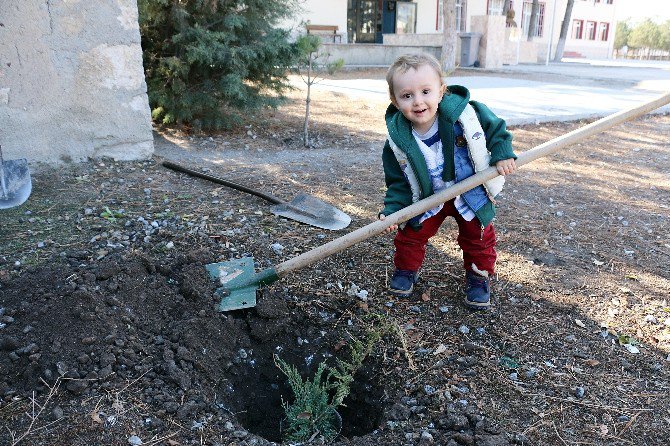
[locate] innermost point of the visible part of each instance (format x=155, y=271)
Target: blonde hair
x=403, y=64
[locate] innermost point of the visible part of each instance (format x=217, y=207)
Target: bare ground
x=109, y=323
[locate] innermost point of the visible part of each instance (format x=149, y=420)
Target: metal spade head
x=238, y=282
x=312, y=211
x=15, y=183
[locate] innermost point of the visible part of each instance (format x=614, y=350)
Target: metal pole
x=551, y=33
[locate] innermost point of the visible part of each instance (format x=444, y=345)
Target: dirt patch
x=108, y=316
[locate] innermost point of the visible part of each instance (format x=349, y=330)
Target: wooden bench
x=325, y=31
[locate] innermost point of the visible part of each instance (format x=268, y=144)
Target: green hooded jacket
x=399, y=193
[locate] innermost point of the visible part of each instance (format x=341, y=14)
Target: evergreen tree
x=208, y=61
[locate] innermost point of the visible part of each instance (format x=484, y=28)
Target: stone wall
x=492, y=43
x=72, y=82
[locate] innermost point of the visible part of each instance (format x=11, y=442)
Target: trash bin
x=470, y=49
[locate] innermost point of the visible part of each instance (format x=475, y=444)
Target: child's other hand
x=391, y=228
x=506, y=167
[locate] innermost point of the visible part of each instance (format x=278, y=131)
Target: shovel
x=303, y=208
x=15, y=183
x=239, y=281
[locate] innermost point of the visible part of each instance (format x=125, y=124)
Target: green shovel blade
x=231, y=275
x=239, y=282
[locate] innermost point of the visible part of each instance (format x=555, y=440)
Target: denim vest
x=476, y=197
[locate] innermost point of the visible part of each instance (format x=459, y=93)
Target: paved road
x=576, y=90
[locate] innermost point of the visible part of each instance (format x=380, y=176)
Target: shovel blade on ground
x=230, y=275
x=15, y=183
x=312, y=211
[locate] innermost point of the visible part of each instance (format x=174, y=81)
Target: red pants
x=478, y=247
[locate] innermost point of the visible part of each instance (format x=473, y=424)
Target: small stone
x=464, y=329
x=426, y=438
x=78, y=386
x=444, y=309
x=651, y=319
x=579, y=392
x=134, y=440
x=241, y=433
x=531, y=373
x=57, y=413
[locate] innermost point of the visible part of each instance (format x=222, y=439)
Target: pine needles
x=313, y=412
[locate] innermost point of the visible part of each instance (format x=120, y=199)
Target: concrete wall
x=492, y=42
x=517, y=49
x=72, y=81
x=375, y=54
x=426, y=16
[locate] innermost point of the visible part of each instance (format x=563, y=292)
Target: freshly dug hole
x=255, y=387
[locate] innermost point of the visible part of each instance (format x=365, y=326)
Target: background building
x=413, y=23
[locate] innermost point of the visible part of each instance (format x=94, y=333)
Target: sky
x=657, y=10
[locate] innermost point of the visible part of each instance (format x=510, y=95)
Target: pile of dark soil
x=109, y=333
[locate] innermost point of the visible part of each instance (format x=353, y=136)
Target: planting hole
x=254, y=387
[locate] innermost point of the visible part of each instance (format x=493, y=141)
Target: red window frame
x=603, y=31
x=577, y=28
x=591, y=30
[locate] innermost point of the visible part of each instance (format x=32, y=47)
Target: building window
x=539, y=19
x=405, y=18
x=603, y=31
x=591, y=30
x=495, y=7
x=461, y=6
x=577, y=28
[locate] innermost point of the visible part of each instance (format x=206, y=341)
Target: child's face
x=417, y=93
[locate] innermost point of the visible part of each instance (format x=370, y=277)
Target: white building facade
x=419, y=23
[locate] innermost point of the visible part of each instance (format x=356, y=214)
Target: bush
x=208, y=61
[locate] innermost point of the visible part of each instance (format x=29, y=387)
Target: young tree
x=621, y=35
x=665, y=36
x=565, y=27
x=207, y=61
x=448, y=35
x=313, y=64
x=645, y=35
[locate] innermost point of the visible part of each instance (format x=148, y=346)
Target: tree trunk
x=565, y=27
x=310, y=81
x=449, y=35
x=532, y=24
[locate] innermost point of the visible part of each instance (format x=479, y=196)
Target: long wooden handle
x=447, y=194
x=271, y=198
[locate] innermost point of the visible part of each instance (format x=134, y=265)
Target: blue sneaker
x=478, y=291
x=402, y=282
